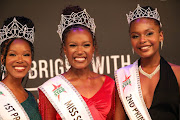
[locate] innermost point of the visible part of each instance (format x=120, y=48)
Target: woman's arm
x=119, y=110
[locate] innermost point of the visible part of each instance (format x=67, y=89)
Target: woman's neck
x=12, y=83
x=150, y=61
x=79, y=73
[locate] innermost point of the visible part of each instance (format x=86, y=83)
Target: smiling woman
x=79, y=48
x=78, y=93
x=18, y=59
x=149, y=88
x=17, y=51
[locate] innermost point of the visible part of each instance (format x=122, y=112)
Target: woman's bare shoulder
x=176, y=70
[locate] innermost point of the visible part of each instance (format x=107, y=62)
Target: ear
x=161, y=36
x=2, y=56
x=64, y=48
x=94, y=49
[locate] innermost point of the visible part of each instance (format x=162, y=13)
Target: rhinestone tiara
x=16, y=30
x=82, y=18
x=140, y=12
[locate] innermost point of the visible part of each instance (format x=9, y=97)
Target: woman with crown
x=79, y=93
x=149, y=88
x=17, y=52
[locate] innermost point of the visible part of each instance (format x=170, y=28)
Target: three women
x=149, y=88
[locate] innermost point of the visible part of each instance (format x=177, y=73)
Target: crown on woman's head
x=140, y=12
x=16, y=30
x=82, y=18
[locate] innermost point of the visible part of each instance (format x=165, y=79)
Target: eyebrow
x=83, y=42
x=15, y=51
x=145, y=30
x=149, y=29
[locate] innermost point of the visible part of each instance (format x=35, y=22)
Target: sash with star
x=58, y=90
x=10, y=108
x=66, y=100
x=129, y=90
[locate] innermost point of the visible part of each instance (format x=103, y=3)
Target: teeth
x=79, y=59
x=19, y=68
x=143, y=48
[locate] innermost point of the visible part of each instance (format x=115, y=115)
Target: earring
x=3, y=69
x=66, y=60
x=92, y=60
x=161, y=44
x=67, y=64
x=133, y=50
x=30, y=72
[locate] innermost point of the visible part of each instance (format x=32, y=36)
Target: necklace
x=147, y=74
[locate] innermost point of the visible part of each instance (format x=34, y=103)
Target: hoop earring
x=161, y=44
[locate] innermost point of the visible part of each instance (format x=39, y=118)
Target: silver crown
x=82, y=18
x=140, y=12
x=16, y=30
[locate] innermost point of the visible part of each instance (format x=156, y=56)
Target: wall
x=111, y=33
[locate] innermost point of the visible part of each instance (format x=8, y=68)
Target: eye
x=72, y=45
x=12, y=54
x=149, y=33
x=87, y=45
x=28, y=54
x=134, y=36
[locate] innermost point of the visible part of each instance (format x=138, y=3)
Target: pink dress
x=101, y=105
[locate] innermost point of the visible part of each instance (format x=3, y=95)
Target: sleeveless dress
x=31, y=107
x=101, y=105
x=165, y=104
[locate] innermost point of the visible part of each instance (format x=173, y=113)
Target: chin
x=145, y=56
x=20, y=76
x=80, y=67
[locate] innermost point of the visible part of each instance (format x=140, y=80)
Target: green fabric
x=31, y=107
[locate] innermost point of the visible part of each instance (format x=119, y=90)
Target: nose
x=80, y=50
x=143, y=39
x=20, y=59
